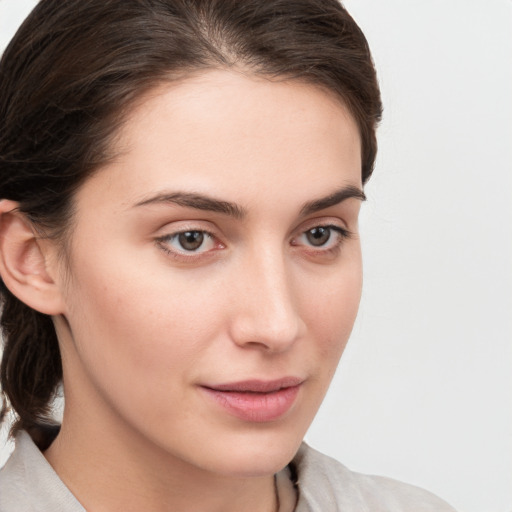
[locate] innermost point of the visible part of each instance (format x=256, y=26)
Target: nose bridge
x=267, y=313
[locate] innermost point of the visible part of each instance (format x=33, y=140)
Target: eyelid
x=176, y=236
x=332, y=248
x=341, y=231
x=330, y=216
x=174, y=229
x=170, y=232
x=336, y=223
x=186, y=224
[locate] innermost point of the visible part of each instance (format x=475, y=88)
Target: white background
x=424, y=391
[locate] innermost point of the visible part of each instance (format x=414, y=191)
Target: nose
x=266, y=306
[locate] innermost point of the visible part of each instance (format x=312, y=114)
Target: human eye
x=189, y=243
x=324, y=239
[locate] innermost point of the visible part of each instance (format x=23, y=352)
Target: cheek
x=331, y=308
x=129, y=322
x=139, y=340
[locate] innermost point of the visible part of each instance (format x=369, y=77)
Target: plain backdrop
x=424, y=390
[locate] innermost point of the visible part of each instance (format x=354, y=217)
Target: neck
x=128, y=472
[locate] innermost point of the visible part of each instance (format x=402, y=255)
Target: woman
x=180, y=184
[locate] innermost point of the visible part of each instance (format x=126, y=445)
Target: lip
x=255, y=400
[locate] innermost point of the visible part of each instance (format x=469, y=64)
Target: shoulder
x=28, y=483
x=325, y=485
x=13, y=495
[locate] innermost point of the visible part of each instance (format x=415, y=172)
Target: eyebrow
x=206, y=203
x=199, y=202
x=333, y=199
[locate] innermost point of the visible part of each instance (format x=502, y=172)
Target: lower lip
x=255, y=407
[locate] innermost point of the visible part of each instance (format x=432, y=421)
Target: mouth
x=255, y=400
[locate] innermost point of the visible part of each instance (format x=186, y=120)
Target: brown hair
x=74, y=69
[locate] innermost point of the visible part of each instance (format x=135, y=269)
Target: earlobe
x=24, y=262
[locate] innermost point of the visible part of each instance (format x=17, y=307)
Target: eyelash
x=184, y=255
x=190, y=255
x=342, y=235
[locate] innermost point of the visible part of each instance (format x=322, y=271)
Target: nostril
x=265, y=314
x=272, y=334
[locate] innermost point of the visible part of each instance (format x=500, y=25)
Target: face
x=214, y=272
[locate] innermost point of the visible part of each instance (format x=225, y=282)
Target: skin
x=144, y=324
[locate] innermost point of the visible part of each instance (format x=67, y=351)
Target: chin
x=253, y=456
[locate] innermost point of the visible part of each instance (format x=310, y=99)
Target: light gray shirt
x=29, y=484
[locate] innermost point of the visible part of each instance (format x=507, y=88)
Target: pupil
x=318, y=236
x=191, y=240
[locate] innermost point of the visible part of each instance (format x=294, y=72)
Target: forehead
x=232, y=134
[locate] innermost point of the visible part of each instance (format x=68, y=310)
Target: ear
x=28, y=263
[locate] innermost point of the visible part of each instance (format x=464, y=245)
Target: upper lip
x=257, y=386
